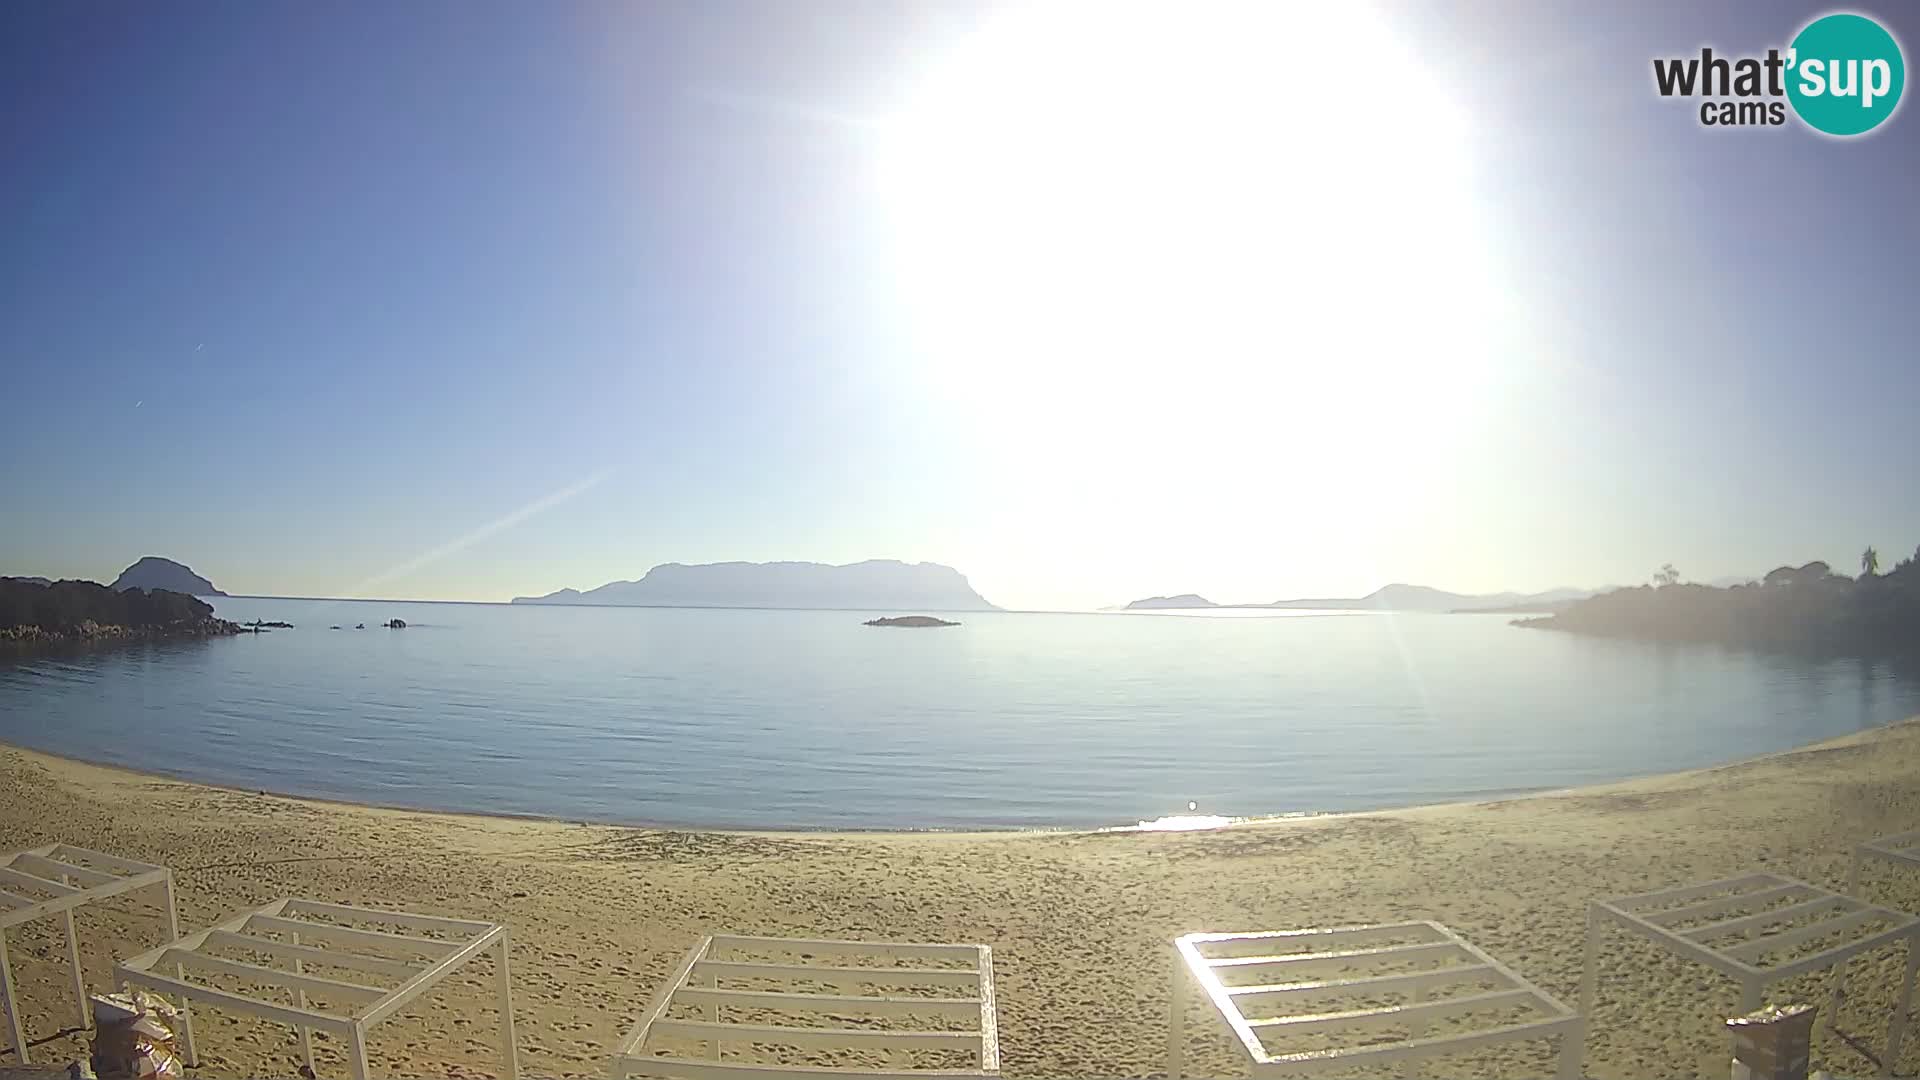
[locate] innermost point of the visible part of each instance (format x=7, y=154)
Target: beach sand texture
x=1081, y=924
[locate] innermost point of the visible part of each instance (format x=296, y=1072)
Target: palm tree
x=1869, y=562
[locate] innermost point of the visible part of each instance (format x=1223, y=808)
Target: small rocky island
x=909, y=620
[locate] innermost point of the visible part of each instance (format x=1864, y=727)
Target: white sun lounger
x=1902, y=849
x=393, y=965
x=1736, y=924
x=1259, y=982
x=53, y=880
x=944, y=991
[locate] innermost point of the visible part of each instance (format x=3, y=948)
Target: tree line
x=1806, y=608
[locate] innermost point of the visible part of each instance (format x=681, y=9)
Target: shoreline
x=1081, y=923
x=123, y=773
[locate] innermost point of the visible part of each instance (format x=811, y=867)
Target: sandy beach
x=1080, y=923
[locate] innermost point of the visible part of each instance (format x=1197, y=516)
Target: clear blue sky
x=464, y=301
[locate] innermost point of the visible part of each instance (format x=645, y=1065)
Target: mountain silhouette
x=874, y=585
x=1184, y=600
x=1395, y=597
x=1401, y=597
x=154, y=572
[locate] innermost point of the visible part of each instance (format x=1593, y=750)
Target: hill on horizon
x=1184, y=600
x=873, y=585
x=154, y=572
x=1395, y=597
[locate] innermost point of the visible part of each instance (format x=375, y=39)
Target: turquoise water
x=806, y=719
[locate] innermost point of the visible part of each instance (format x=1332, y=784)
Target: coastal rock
x=909, y=620
x=877, y=584
x=153, y=572
x=86, y=611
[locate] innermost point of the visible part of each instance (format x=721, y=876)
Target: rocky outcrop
x=153, y=572
x=89, y=631
x=85, y=611
x=909, y=620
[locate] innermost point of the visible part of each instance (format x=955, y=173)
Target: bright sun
x=1248, y=225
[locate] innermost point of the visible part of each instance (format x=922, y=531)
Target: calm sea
x=798, y=719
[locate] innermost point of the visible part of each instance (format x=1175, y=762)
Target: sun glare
x=1249, y=225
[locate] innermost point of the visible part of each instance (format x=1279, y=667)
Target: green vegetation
x=1807, y=609
x=88, y=611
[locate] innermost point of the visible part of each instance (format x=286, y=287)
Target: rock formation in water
x=909, y=620
x=877, y=584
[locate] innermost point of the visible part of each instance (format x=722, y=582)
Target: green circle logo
x=1845, y=74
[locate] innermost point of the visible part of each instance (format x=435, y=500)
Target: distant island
x=87, y=611
x=874, y=585
x=1396, y=597
x=1184, y=600
x=1525, y=607
x=909, y=620
x=153, y=572
x=1807, y=609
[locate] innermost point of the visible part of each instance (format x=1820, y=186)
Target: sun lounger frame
x=421, y=963
x=1737, y=906
x=1901, y=849
x=75, y=876
x=1359, y=946
x=967, y=999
